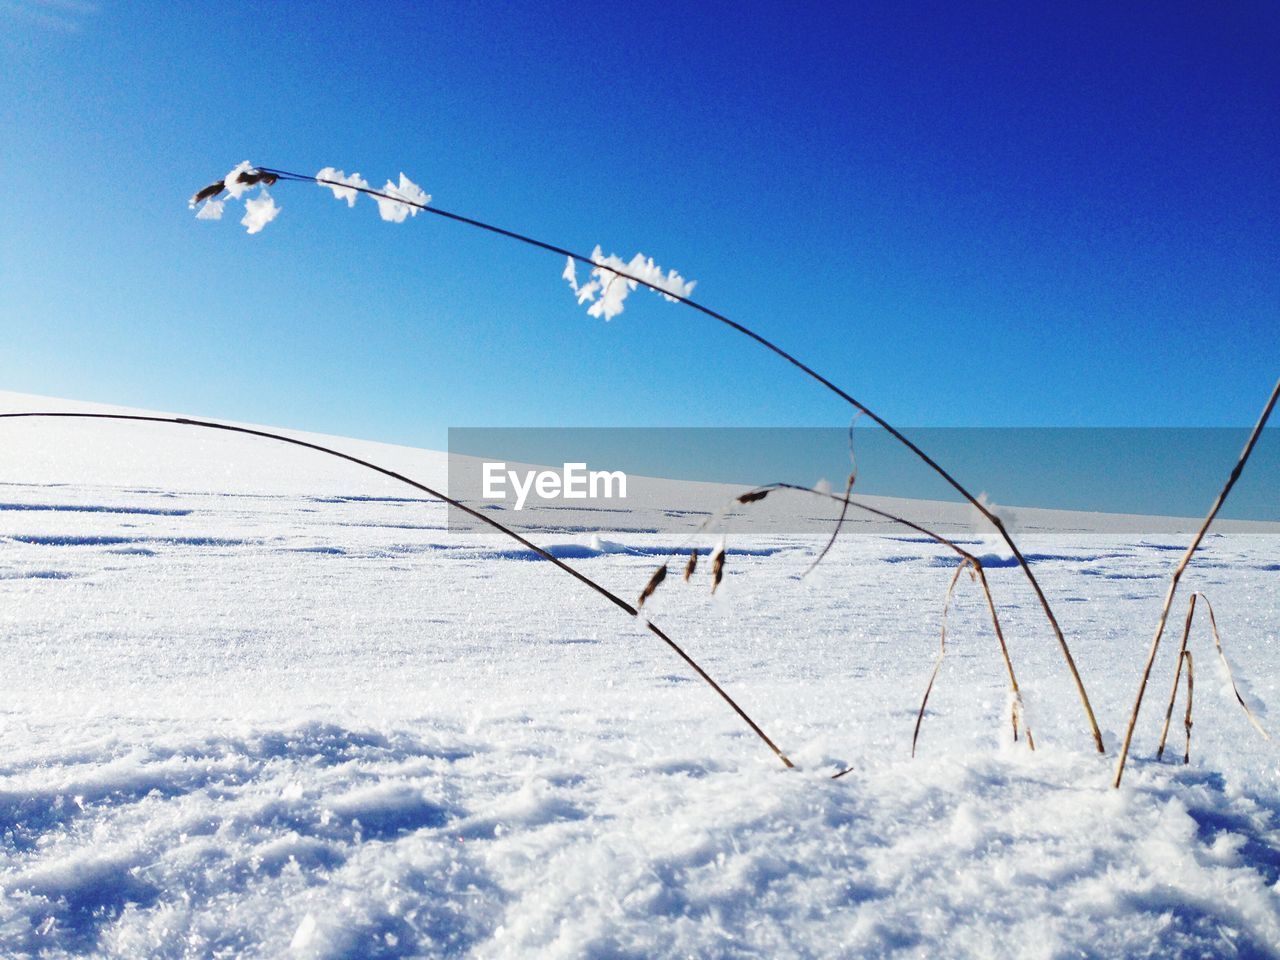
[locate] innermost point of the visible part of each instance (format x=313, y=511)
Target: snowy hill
x=257, y=702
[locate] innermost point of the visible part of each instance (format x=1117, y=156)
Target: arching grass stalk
x=942, y=652
x=478, y=515
x=1181, y=568
x=265, y=173
x=967, y=560
x=1185, y=654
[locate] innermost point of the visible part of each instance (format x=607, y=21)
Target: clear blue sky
x=1010, y=214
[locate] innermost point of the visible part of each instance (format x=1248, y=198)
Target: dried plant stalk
x=1177, y=675
x=470, y=511
x=942, y=652
x=1181, y=568
x=1191, y=686
x=982, y=508
x=1226, y=666
x=967, y=559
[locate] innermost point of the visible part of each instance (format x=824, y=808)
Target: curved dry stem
x=1181, y=568
x=966, y=558
x=835, y=532
x=844, y=502
x=942, y=652
x=1226, y=666
x=981, y=576
x=804, y=368
x=476, y=514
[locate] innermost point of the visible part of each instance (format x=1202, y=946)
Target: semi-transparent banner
x=675, y=480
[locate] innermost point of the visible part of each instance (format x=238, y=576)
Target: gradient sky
x=1010, y=214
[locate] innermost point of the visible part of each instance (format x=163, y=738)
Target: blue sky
x=1010, y=214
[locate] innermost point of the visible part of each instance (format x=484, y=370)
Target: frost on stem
x=333, y=179
x=606, y=289
x=393, y=208
x=259, y=210
x=402, y=200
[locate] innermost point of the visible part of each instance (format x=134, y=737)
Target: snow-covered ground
x=256, y=702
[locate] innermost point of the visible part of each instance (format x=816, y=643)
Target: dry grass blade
x=479, y=515
x=1177, y=676
x=1191, y=686
x=692, y=564
x=1183, y=652
x=844, y=512
x=844, y=504
x=1181, y=568
x=976, y=564
x=804, y=368
x=1226, y=665
x=658, y=576
x=942, y=652
x=1016, y=708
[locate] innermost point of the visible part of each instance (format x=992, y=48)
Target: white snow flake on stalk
x=236, y=189
x=393, y=210
x=259, y=211
x=210, y=210
x=607, y=288
x=346, y=193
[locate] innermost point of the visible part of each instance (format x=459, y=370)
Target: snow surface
x=257, y=702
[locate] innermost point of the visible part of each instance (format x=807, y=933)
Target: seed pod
x=208, y=193
x=717, y=568
x=692, y=565
x=658, y=576
x=753, y=496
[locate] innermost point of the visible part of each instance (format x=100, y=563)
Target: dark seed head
x=717, y=568
x=212, y=190
x=658, y=576
x=753, y=496
x=692, y=565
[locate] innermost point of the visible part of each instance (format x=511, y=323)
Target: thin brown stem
x=1182, y=566
x=942, y=652
x=1191, y=687
x=966, y=558
x=1177, y=676
x=1016, y=694
x=476, y=514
